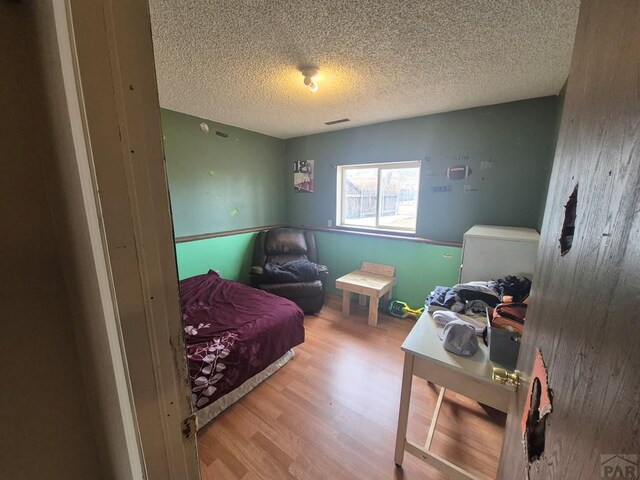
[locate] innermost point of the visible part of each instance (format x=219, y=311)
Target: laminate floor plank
x=218, y=470
x=331, y=413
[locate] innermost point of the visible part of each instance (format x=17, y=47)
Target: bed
x=236, y=336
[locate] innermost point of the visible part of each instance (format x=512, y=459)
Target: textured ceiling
x=236, y=61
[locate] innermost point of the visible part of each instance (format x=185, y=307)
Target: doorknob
x=505, y=377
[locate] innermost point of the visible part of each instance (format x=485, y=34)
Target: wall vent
x=333, y=122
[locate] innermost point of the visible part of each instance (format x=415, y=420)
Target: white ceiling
x=236, y=61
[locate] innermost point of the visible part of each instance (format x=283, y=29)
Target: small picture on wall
x=303, y=176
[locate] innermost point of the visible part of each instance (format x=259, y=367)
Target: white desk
x=425, y=357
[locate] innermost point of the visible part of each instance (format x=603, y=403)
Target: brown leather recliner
x=282, y=245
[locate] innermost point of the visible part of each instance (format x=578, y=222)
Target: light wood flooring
x=332, y=411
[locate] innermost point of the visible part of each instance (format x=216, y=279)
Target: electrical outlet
x=329, y=223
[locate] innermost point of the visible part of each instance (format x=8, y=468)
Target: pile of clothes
x=470, y=301
x=291, y=272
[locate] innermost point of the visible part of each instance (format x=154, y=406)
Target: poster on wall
x=303, y=176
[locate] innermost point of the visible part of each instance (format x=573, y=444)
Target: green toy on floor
x=401, y=309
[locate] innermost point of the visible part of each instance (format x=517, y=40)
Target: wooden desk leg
x=346, y=303
x=403, y=414
x=373, y=311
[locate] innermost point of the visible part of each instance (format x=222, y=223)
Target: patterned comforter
x=232, y=333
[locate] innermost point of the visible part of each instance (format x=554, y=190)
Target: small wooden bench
x=372, y=280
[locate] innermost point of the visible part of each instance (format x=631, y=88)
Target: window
x=381, y=196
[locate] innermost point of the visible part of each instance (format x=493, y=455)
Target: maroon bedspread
x=232, y=333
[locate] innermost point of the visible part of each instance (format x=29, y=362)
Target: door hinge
x=189, y=426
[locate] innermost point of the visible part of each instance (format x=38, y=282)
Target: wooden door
x=585, y=310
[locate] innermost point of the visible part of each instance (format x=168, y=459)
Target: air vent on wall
x=333, y=122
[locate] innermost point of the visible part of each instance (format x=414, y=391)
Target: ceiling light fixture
x=310, y=78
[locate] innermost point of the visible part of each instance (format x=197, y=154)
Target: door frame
x=96, y=328
x=108, y=74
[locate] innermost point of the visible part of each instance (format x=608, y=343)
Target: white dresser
x=493, y=252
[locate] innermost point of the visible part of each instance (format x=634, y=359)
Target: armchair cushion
x=285, y=241
x=294, y=290
x=256, y=270
x=281, y=259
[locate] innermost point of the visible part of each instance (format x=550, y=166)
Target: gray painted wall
x=517, y=138
x=219, y=183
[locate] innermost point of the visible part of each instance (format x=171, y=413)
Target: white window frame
x=340, y=211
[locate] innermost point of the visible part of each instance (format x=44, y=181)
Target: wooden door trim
x=117, y=73
x=97, y=331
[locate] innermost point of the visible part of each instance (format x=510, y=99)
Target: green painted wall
x=419, y=266
x=518, y=138
x=230, y=256
x=217, y=183
x=251, y=172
